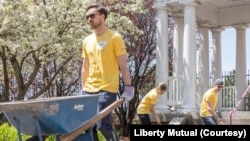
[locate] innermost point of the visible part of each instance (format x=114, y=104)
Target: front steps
x=238, y=117
x=193, y=118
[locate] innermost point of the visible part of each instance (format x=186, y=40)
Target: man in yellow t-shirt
x=209, y=102
x=104, y=56
x=147, y=104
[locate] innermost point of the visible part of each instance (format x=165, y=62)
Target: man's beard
x=95, y=26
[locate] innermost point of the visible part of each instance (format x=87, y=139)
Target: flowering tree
x=39, y=40
x=40, y=44
x=142, y=60
x=141, y=48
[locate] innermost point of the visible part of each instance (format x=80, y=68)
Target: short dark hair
x=162, y=86
x=101, y=9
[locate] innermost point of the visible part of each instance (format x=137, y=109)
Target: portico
x=205, y=15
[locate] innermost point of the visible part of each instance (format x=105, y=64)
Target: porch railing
x=174, y=91
x=227, y=100
x=237, y=105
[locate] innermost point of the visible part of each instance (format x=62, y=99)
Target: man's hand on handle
x=128, y=93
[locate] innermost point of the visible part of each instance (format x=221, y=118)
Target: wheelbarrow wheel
x=36, y=138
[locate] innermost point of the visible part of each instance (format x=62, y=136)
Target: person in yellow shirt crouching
x=209, y=103
x=147, y=104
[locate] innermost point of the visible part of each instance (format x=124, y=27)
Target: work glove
x=128, y=93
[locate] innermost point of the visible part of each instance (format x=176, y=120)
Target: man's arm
x=122, y=60
x=85, y=70
x=219, y=121
x=155, y=115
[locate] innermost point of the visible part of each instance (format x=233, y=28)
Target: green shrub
x=10, y=133
x=100, y=136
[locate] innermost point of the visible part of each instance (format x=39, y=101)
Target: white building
x=207, y=15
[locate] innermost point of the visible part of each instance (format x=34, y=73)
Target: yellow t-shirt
x=150, y=98
x=102, y=52
x=210, y=96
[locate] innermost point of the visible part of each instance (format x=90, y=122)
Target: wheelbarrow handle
x=72, y=135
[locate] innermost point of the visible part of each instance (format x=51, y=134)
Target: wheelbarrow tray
x=59, y=115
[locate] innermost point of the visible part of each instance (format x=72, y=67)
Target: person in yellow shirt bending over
x=209, y=102
x=147, y=104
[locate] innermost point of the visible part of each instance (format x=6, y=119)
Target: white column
x=189, y=57
x=216, y=67
x=203, y=66
x=162, y=53
x=178, y=46
x=241, y=64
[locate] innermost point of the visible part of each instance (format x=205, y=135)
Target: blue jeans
x=209, y=120
x=105, y=124
x=145, y=119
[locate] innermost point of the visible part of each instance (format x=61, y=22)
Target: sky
x=228, y=46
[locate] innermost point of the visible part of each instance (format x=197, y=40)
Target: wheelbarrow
x=65, y=117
